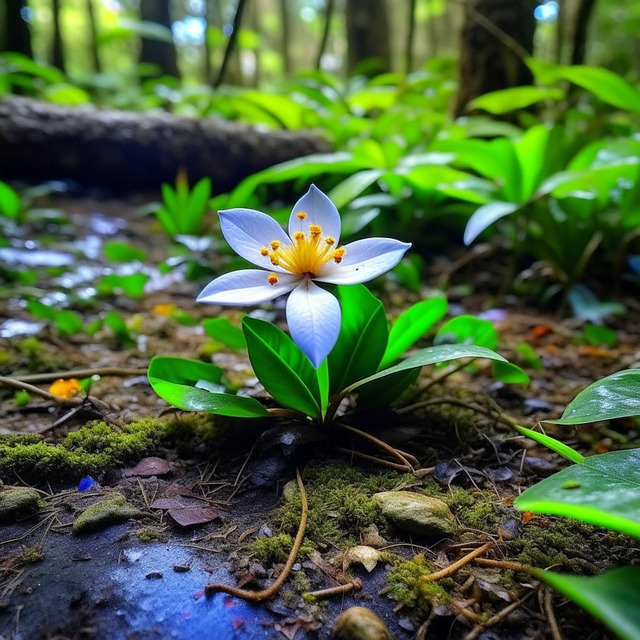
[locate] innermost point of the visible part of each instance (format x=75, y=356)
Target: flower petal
x=313, y=316
x=363, y=261
x=246, y=287
x=320, y=210
x=247, y=231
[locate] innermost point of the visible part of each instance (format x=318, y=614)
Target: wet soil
x=145, y=577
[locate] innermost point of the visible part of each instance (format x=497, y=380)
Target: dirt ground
x=197, y=501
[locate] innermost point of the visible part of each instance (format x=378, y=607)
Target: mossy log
x=136, y=151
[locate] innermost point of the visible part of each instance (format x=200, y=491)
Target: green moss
x=18, y=500
x=105, y=513
x=340, y=504
x=152, y=534
x=98, y=446
x=406, y=586
x=272, y=550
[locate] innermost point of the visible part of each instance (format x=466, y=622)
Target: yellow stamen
x=305, y=255
x=301, y=215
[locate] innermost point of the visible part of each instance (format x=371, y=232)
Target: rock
x=359, y=623
x=16, y=500
x=105, y=513
x=417, y=513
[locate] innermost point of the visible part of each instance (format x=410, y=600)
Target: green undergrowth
x=98, y=447
x=340, y=503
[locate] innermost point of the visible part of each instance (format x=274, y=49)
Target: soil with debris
x=135, y=508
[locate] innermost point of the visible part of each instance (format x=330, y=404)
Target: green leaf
x=66, y=94
x=467, y=329
x=198, y=202
x=616, y=396
x=551, y=443
x=611, y=597
x=431, y=355
x=514, y=98
x=485, y=216
x=122, y=252
x=221, y=330
x=362, y=339
x=286, y=373
x=600, y=336
x=116, y=323
x=411, y=325
x=116, y=284
x=381, y=393
x=509, y=373
x=353, y=186
x=10, y=203
x=175, y=380
x=603, y=490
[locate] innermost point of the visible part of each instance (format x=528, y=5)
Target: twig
x=458, y=564
x=505, y=564
x=368, y=458
x=376, y=442
x=499, y=617
x=556, y=634
x=269, y=592
x=336, y=591
x=82, y=373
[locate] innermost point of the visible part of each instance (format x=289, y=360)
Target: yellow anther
x=299, y=236
x=264, y=251
x=330, y=241
x=275, y=244
x=272, y=279
x=301, y=215
x=315, y=230
x=274, y=261
x=338, y=254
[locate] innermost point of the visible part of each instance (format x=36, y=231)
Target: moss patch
x=105, y=513
x=406, y=586
x=340, y=503
x=18, y=500
x=272, y=550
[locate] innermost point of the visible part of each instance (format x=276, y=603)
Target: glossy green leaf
x=10, y=203
x=551, y=443
x=612, y=597
x=509, y=373
x=352, y=187
x=514, y=98
x=431, y=355
x=603, y=490
x=381, y=393
x=362, y=340
x=175, y=380
x=221, y=330
x=485, y=216
x=410, y=326
x=286, y=373
x=616, y=396
x=468, y=329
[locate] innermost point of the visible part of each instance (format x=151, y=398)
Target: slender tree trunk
x=231, y=44
x=157, y=52
x=496, y=36
x=326, y=30
x=255, y=26
x=16, y=35
x=57, y=52
x=285, y=47
x=581, y=29
x=93, y=28
x=368, y=36
x=411, y=31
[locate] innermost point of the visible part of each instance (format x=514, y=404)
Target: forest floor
x=185, y=500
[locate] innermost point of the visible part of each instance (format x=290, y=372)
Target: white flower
x=292, y=263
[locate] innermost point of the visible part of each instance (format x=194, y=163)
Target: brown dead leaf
x=191, y=516
x=151, y=466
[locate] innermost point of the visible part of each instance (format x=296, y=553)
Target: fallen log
x=132, y=151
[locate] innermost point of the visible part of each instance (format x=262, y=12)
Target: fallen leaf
x=149, y=467
x=191, y=516
x=368, y=557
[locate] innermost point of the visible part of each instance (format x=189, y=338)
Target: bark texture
x=496, y=35
x=134, y=151
x=368, y=36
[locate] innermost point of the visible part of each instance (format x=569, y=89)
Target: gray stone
x=18, y=500
x=417, y=513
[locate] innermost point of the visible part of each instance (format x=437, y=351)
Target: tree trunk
x=368, y=37
x=57, y=56
x=326, y=30
x=583, y=18
x=16, y=36
x=157, y=52
x=93, y=28
x=496, y=36
x=411, y=31
x=136, y=151
x=285, y=46
x=231, y=43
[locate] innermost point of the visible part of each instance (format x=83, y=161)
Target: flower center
x=306, y=254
